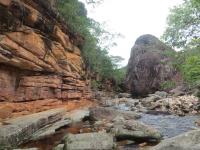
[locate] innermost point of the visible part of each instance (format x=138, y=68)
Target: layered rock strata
x=19, y=130
x=39, y=57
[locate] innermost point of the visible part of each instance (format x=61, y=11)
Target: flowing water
x=168, y=125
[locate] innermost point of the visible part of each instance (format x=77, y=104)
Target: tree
x=116, y=60
x=97, y=40
x=191, y=70
x=183, y=24
x=94, y=1
x=183, y=31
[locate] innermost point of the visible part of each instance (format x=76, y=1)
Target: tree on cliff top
x=97, y=39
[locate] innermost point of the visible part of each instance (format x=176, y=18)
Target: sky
x=132, y=18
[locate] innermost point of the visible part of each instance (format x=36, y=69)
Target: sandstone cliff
x=150, y=65
x=39, y=57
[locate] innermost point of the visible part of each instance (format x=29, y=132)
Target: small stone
x=59, y=147
x=143, y=144
x=161, y=94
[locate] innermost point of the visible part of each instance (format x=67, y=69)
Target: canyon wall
x=39, y=57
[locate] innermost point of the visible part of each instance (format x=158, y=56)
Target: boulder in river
x=89, y=141
x=149, y=65
x=134, y=130
x=106, y=113
x=186, y=141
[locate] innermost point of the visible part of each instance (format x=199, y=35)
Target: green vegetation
x=183, y=24
x=97, y=41
x=95, y=84
x=183, y=31
x=119, y=75
x=168, y=85
x=191, y=70
x=169, y=53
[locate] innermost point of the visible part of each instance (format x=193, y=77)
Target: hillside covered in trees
x=183, y=32
x=100, y=66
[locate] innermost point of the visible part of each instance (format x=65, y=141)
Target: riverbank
x=128, y=123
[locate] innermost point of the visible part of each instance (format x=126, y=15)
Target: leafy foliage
x=168, y=85
x=183, y=24
x=183, y=31
x=188, y=63
x=95, y=84
x=169, y=53
x=74, y=13
x=94, y=1
x=97, y=40
x=119, y=75
x=191, y=68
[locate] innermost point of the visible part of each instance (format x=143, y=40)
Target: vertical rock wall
x=39, y=56
x=150, y=65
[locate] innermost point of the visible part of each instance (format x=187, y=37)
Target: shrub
x=191, y=69
x=168, y=85
x=95, y=84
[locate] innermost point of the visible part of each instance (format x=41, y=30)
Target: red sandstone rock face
x=39, y=57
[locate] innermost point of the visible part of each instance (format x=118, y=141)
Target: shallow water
x=122, y=106
x=170, y=125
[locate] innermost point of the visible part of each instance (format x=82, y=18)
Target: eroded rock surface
x=39, y=57
x=186, y=141
x=123, y=124
x=106, y=113
x=149, y=65
x=134, y=130
x=19, y=130
x=180, y=105
x=89, y=141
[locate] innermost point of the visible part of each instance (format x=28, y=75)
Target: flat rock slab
x=51, y=129
x=20, y=129
x=59, y=147
x=78, y=115
x=69, y=118
x=108, y=113
x=134, y=130
x=89, y=141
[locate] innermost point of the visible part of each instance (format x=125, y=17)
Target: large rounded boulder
x=150, y=65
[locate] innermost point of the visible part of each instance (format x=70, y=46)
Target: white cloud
x=132, y=18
